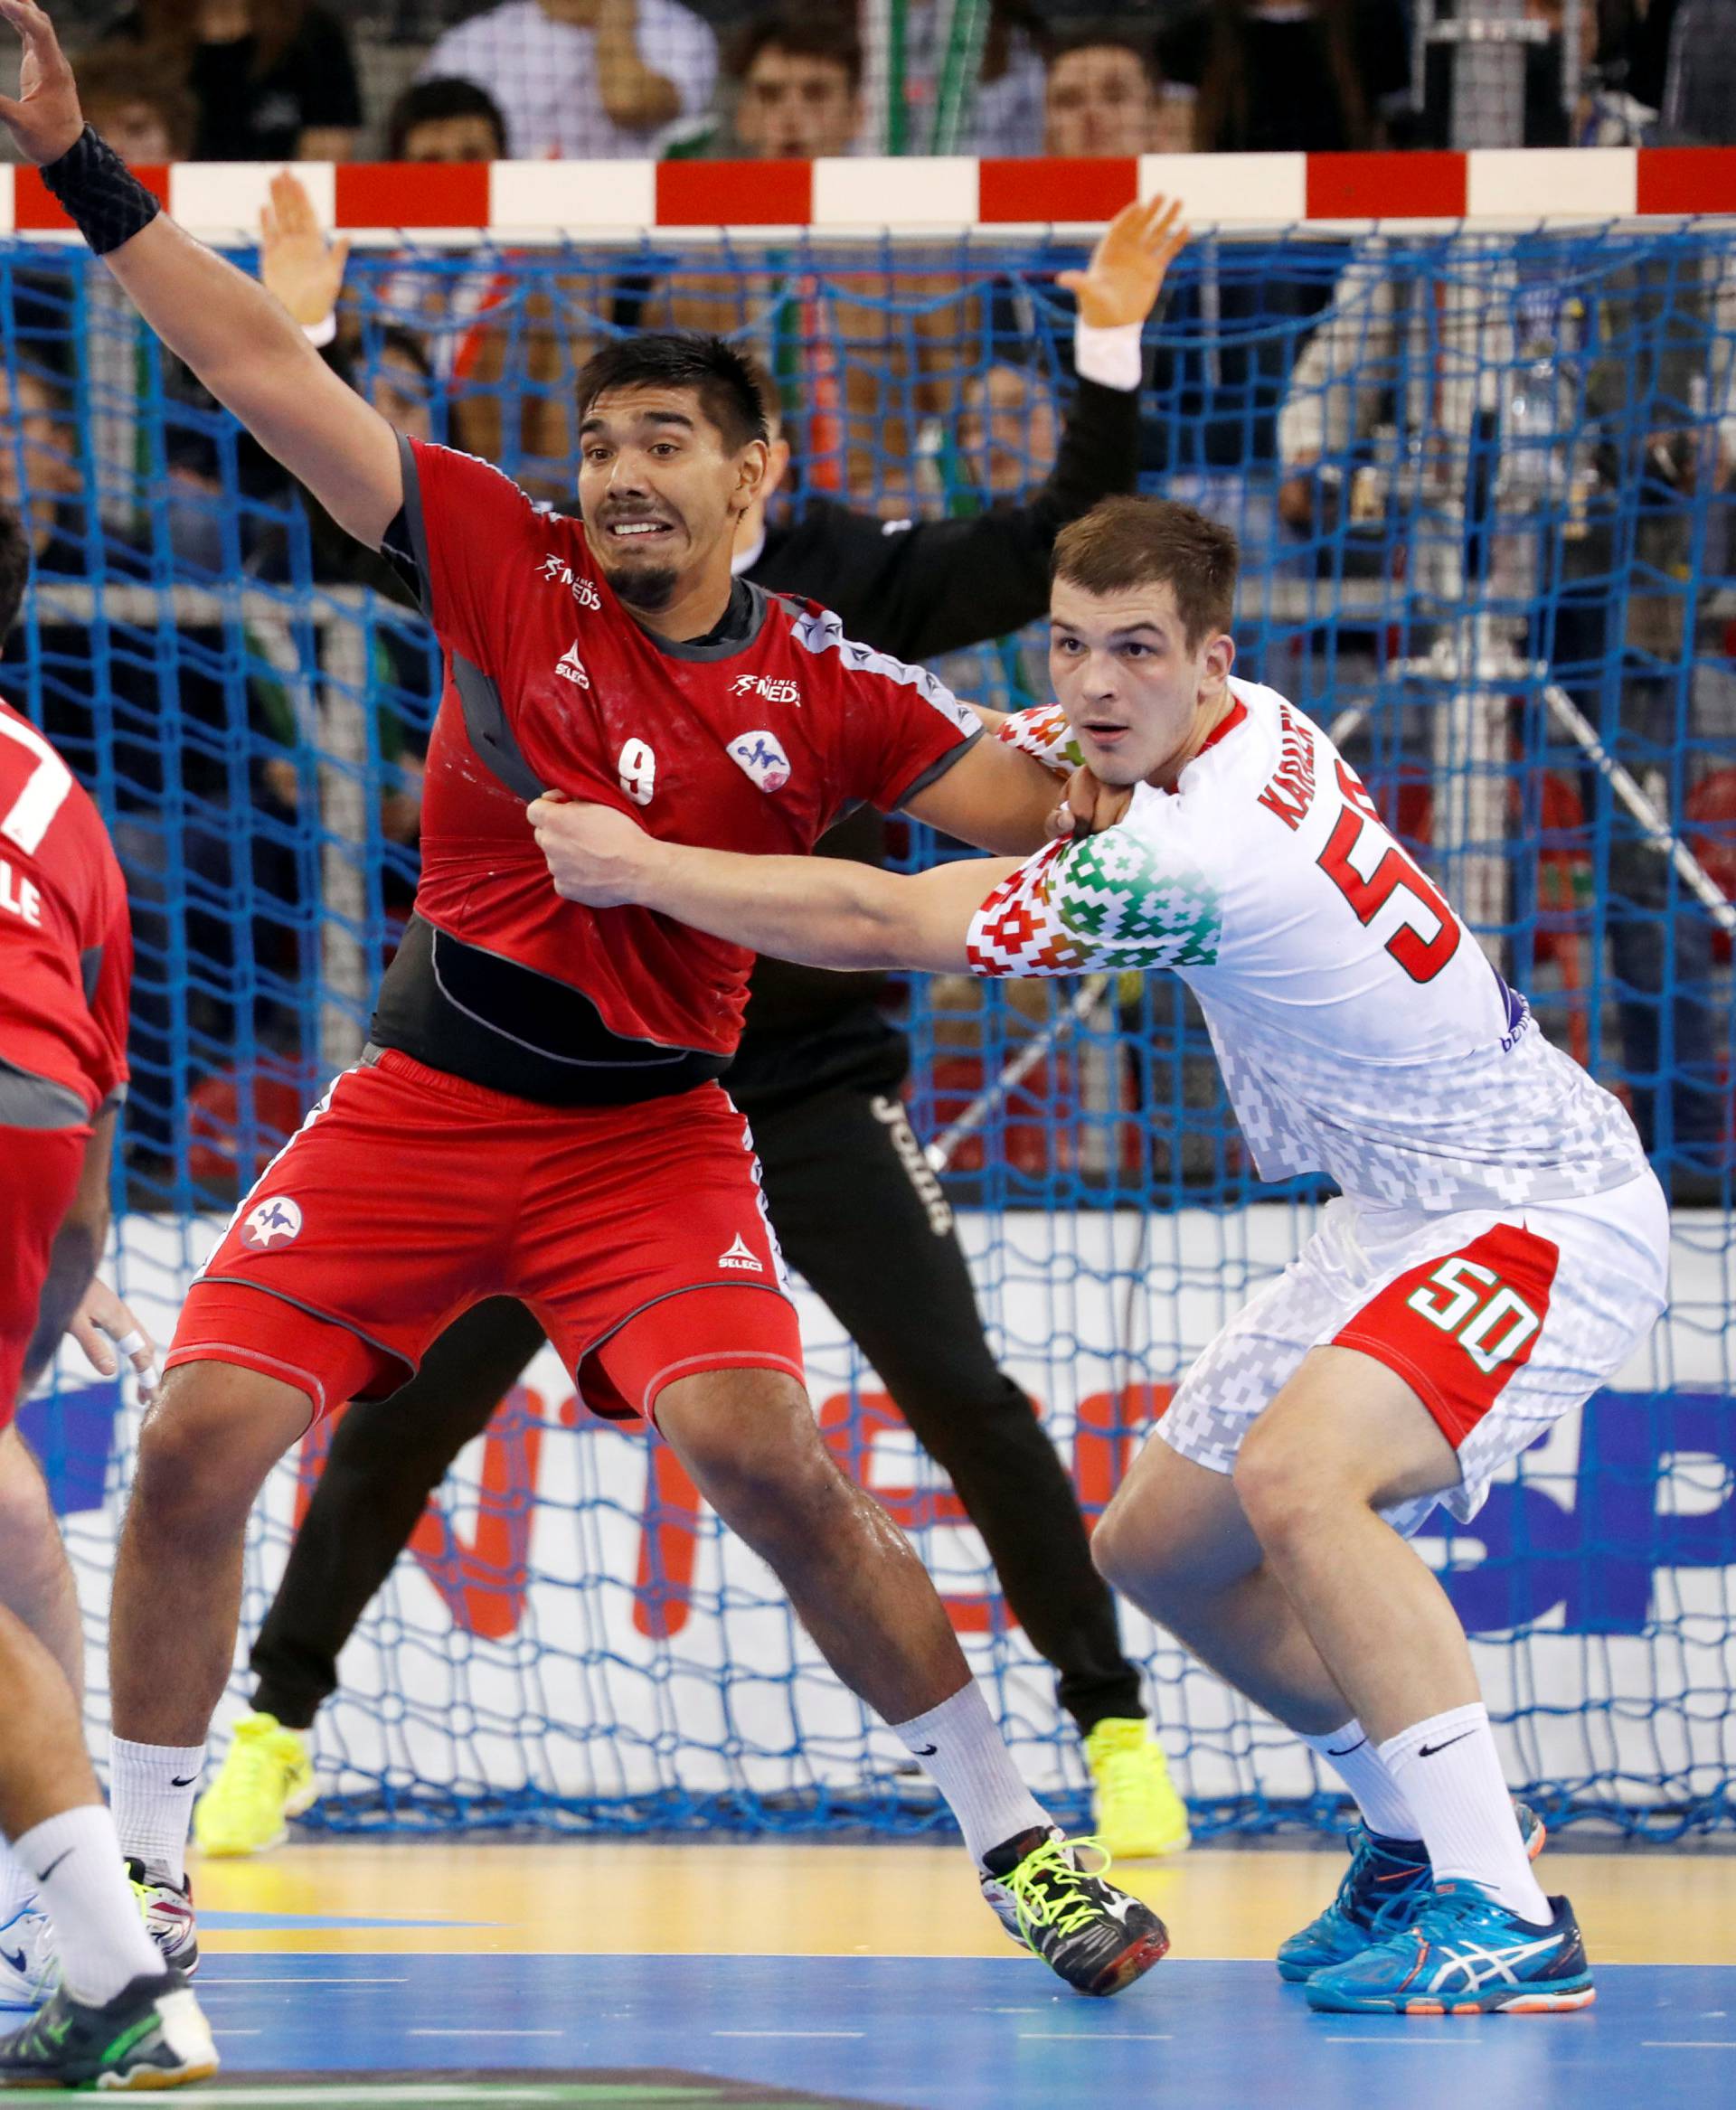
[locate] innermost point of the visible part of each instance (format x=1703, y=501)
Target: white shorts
x=1501, y=1321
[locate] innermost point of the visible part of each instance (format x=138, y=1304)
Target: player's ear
x=753, y=477
x=1220, y=657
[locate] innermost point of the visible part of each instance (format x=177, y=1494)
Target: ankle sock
x=152, y=1788
x=1448, y=1769
x=960, y=1749
x=75, y=1857
x=1353, y=1757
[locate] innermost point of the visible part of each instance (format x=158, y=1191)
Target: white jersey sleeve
x=1362, y=1031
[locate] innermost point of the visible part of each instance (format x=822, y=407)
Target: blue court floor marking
x=974, y=2034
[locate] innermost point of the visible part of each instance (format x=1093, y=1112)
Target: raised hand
x=45, y=120
x=296, y=262
x=1122, y=281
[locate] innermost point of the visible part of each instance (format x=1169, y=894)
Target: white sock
x=1448, y=1771
x=152, y=1788
x=961, y=1750
x=17, y=1885
x=1360, y=1766
x=99, y=1935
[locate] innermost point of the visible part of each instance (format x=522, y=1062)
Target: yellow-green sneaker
x=267, y=1778
x=1138, y=1811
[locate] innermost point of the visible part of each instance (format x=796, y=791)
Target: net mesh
x=1483, y=488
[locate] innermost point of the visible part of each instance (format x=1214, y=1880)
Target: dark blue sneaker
x=152, y=2035
x=1463, y=1954
x=1387, y=1882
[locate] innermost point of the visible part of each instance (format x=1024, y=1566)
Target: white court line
x=217, y=1984
x=1006, y=2010
x=487, y=2032
x=1687, y=2044
x=787, y=2032
x=415, y=2093
x=1093, y=2036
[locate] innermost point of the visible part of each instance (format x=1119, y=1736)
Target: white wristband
x=320, y=335
x=1112, y=358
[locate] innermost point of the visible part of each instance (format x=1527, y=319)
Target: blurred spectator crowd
x=593, y=79
x=1543, y=428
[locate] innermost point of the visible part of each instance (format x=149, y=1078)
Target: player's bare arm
x=993, y=797
x=239, y=342
x=823, y=912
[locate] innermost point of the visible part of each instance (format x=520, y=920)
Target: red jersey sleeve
x=899, y=727
x=473, y=539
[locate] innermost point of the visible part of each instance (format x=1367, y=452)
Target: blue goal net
x=1485, y=485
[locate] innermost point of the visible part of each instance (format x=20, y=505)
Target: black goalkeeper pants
x=858, y=1215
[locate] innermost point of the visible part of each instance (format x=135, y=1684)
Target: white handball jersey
x=1362, y=1031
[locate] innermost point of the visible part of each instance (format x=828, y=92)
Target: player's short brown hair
x=1125, y=542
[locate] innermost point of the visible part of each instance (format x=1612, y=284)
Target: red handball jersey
x=66, y=947
x=757, y=739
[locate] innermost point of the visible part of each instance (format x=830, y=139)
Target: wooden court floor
x=615, y=1973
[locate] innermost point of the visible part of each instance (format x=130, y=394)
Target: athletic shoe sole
x=1131, y=1964
x=1513, y=1999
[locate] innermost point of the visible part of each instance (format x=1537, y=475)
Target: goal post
x=1473, y=416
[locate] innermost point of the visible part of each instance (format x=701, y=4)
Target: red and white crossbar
x=919, y=194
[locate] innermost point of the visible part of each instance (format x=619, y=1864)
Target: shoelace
x=1050, y=1891
x=1467, y=1909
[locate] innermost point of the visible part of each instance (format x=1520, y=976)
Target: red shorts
x=636, y=1234
x=39, y=1176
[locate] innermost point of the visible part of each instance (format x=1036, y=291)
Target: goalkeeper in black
x=817, y=1076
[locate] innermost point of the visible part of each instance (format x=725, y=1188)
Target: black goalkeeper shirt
x=917, y=590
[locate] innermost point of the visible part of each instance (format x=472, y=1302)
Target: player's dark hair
x=1144, y=49
x=827, y=33
x=716, y=372
x=1126, y=542
x=429, y=102
x=14, y=569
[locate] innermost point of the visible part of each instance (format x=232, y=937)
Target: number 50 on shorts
x=1489, y=1319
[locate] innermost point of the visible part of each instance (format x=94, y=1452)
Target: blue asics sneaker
x=1387, y=1881
x=1463, y=1954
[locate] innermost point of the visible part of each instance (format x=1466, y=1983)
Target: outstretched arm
x=242, y=345
x=1131, y=899
x=822, y=911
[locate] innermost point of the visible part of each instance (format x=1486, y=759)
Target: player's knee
x=206, y=1447
x=1126, y=1553
x=750, y=1440
x=1284, y=1481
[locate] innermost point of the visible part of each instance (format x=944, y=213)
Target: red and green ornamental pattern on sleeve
x=1111, y=902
